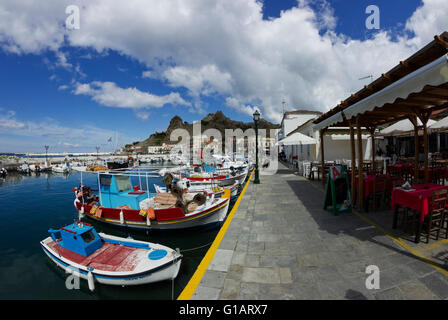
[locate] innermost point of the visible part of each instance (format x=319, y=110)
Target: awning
x=433, y=74
x=297, y=138
x=402, y=127
x=439, y=125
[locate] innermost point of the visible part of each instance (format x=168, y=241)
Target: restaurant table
x=416, y=198
x=369, y=182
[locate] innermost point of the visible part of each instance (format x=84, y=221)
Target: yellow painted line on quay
x=397, y=240
x=434, y=245
x=191, y=286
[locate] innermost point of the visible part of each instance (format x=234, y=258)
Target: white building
x=336, y=140
x=291, y=121
x=155, y=149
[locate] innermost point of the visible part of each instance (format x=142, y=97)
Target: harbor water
x=30, y=205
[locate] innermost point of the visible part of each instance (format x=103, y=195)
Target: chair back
x=396, y=182
x=380, y=183
x=438, y=201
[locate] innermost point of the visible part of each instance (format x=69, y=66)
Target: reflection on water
x=31, y=204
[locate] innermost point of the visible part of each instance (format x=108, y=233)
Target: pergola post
x=353, y=155
x=322, y=157
x=372, y=137
x=360, y=164
x=413, y=119
x=424, y=117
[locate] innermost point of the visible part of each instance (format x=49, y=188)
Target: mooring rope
x=200, y=247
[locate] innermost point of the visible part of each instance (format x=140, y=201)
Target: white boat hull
x=167, y=269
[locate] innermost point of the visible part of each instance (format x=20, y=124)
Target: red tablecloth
x=370, y=180
x=417, y=199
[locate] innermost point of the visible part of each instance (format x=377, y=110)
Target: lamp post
x=256, y=119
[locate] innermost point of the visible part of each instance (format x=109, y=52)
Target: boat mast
x=99, y=189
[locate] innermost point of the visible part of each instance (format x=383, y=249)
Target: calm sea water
x=30, y=205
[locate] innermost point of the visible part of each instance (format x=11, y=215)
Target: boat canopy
x=118, y=190
x=78, y=237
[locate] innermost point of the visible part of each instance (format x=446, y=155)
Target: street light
x=256, y=119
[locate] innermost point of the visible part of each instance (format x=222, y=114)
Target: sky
x=129, y=66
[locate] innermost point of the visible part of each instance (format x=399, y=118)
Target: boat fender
x=148, y=221
x=227, y=194
x=150, y=213
x=99, y=212
x=93, y=210
x=91, y=281
x=121, y=217
x=143, y=213
x=82, y=210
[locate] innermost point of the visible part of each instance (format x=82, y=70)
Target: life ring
x=131, y=161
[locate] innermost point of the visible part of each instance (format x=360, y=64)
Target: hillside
x=215, y=120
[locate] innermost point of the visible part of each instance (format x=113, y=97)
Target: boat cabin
x=78, y=237
x=118, y=190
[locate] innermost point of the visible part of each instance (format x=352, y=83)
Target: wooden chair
x=394, y=183
x=436, y=216
x=379, y=191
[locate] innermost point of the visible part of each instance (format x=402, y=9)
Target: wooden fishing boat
x=208, y=188
x=208, y=175
x=107, y=259
x=120, y=202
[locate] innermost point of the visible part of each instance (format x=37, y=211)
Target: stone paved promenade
x=281, y=244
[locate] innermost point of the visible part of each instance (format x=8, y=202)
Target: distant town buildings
x=164, y=148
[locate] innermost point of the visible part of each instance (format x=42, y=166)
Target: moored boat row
x=193, y=197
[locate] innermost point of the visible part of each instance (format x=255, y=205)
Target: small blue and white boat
x=107, y=259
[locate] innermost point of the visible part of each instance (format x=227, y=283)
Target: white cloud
x=234, y=103
x=67, y=144
x=221, y=47
x=142, y=115
x=8, y=121
x=428, y=20
x=205, y=80
x=33, y=133
x=110, y=95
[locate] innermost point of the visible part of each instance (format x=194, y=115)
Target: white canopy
x=439, y=125
x=434, y=74
x=403, y=126
x=297, y=138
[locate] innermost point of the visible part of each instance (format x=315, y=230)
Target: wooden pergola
x=425, y=98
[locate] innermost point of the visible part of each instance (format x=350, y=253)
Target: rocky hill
x=215, y=120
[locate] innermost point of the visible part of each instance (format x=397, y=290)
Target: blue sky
x=72, y=89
